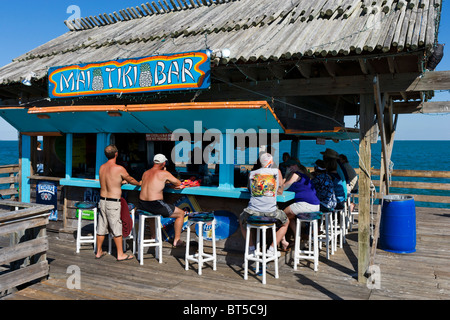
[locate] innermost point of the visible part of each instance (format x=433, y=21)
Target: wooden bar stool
x=80, y=206
x=312, y=253
x=132, y=235
x=201, y=257
x=146, y=243
x=261, y=225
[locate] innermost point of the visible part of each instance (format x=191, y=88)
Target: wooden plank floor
x=422, y=275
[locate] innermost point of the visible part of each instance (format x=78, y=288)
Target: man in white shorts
x=111, y=177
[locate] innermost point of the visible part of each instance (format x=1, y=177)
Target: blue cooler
x=398, y=224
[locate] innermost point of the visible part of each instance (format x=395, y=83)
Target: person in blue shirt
x=324, y=186
x=298, y=180
x=330, y=157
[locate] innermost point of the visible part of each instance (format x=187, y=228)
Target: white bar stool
x=80, y=206
x=132, y=235
x=201, y=257
x=146, y=243
x=339, y=227
x=260, y=224
x=312, y=253
x=327, y=235
x=352, y=214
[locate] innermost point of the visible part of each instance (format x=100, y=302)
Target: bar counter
x=210, y=191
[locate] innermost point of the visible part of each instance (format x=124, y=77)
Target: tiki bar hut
x=287, y=70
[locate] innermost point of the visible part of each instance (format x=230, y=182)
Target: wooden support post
x=366, y=126
x=226, y=165
x=69, y=147
x=384, y=174
x=100, y=152
x=380, y=109
x=25, y=170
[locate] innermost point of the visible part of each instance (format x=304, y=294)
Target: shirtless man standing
x=151, y=198
x=112, y=176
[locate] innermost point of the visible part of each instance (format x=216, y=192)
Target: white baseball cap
x=159, y=158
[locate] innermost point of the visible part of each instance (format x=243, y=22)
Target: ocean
x=407, y=155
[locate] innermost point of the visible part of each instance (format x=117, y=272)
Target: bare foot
x=178, y=243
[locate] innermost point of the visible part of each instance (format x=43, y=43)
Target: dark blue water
x=406, y=155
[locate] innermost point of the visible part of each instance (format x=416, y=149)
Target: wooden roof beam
x=421, y=107
x=400, y=82
x=330, y=66
x=305, y=69
x=393, y=67
x=277, y=70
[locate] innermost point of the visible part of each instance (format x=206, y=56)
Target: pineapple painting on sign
x=181, y=71
x=97, y=82
x=145, y=78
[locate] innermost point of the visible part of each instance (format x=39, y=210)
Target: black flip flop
x=103, y=254
x=129, y=257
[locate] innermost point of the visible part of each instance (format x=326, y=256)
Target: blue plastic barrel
x=398, y=224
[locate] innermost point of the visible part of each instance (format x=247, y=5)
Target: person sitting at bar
x=264, y=186
x=299, y=181
x=339, y=183
x=111, y=177
x=323, y=183
x=284, y=165
x=151, y=197
x=352, y=186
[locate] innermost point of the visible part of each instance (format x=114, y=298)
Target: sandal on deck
x=129, y=257
x=180, y=243
x=101, y=256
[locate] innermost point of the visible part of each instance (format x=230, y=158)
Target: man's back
x=110, y=175
x=263, y=184
x=153, y=183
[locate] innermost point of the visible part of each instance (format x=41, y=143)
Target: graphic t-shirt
x=263, y=186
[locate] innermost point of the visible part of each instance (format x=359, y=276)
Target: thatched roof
x=253, y=30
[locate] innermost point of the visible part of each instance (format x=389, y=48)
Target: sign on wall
x=46, y=193
x=181, y=71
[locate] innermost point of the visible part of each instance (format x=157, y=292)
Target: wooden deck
x=422, y=275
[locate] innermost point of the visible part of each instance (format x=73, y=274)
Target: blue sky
x=26, y=24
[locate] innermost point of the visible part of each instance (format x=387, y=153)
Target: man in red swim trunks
x=151, y=197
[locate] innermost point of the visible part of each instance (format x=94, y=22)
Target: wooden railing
x=26, y=251
x=438, y=191
x=9, y=175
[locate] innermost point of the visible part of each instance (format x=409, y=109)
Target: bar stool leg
x=79, y=230
x=275, y=250
x=297, y=243
x=214, y=244
x=188, y=240
x=246, y=253
x=316, y=247
x=264, y=255
x=257, y=247
x=95, y=230
x=141, y=240
x=158, y=239
x=200, y=247
x=331, y=231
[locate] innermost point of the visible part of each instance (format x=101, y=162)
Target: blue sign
x=181, y=71
x=46, y=193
